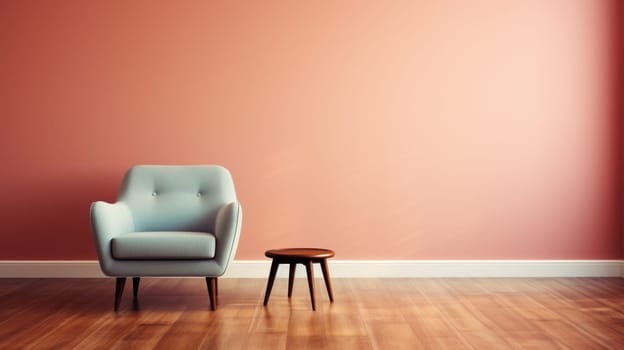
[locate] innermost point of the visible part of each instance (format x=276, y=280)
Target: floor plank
x=524, y=313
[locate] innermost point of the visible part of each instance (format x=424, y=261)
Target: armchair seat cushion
x=159, y=245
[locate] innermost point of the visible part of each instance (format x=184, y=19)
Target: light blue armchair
x=169, y=221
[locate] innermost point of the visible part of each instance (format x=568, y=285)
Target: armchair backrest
x=176, y=198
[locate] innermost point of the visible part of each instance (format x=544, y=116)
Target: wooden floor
x=586, y=313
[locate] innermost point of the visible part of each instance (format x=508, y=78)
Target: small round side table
x=294, y=256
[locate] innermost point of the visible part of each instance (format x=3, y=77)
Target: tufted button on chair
x=169, y=221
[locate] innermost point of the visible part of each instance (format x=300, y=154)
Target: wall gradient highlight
x=382, y=130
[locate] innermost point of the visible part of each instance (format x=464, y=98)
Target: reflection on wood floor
x=566, y=313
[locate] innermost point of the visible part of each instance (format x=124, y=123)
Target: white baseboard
x=353, y=268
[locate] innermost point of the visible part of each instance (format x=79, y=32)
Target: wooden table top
x=315, y=253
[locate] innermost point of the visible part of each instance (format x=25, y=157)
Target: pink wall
x=384, y=130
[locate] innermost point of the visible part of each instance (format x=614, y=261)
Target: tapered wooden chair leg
x=310, y=272
x=267, y=294
x=135, y=287
x=135, y=292
x=216, y=291
x=211, y=283
x=291, y=278
x=119, y=288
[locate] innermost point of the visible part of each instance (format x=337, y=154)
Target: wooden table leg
x=291, y=278
x=327, y=279
x=274, y=266
x=310, y=271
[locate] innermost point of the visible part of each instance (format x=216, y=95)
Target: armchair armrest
x=227, y=232
x=107, y=221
